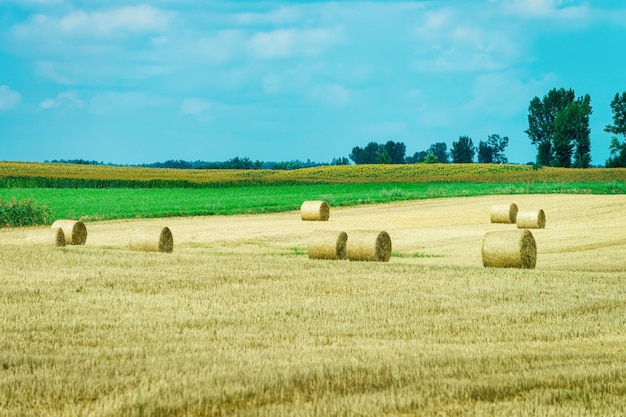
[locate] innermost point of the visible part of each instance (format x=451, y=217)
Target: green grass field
x=114, y=203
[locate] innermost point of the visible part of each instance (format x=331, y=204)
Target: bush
x=23, y=213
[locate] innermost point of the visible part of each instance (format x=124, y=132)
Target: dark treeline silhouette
x=233, y=163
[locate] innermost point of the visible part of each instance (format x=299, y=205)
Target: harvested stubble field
x=238, y=321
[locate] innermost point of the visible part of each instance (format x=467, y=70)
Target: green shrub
x=23, y=213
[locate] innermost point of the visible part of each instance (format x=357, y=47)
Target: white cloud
x=52, y=71
x=8, y=97
x=196, y=107
x=284, y=43
x=32, y=2
x=218, y=48
x=468, y=38
x=68, y=99
x=279, y=16
x=546, y=9
x=129, y=19
x=80, y=24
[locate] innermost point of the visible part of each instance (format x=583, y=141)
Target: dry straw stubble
x=75, y=231
x=366, y=245
x=315, y=211
x=503, y=213
x=152, y=239
x=531, y=219
x=328, y=244
x=509, y=249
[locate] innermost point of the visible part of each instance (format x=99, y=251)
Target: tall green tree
x=383, y=156
x=572, y=145
x=582, y=138
x=440, y=151
x=366, y=155
x=492, y=150
x=396, y=151
x=558, y=125
x=485, y=153
x=617, y=147
x=463, y=150
x=541, y=116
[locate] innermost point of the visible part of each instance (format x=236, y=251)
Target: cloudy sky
x=137, y=82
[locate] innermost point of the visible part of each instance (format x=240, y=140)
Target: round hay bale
x=152, y=239
x=531, y=219
x=369, y=246
x=328, y=244
x=75, y=231
x=503, y=213
x=50, y=237
x=315, y=211
x=509, y=249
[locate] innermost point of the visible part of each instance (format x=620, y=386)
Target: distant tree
x=367, y=155
x=463, y=150
x=558, y=124
x=374, y=153
x=430, y=159
x=383, y=156
x=396, y=151
x=498, y=144
x=342, y=160
x=241, y=163
x=417, y=157
x=180, y=164
x=617, y=147
x=485, y=153
x=492, y=150
x=618, y=154
x=440, y=151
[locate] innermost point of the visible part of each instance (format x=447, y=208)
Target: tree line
x=558, y=126
x=233, y=163
x=490, y=151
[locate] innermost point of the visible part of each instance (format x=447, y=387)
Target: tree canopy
x=375, y=153
x=492, y=150
x=558, y=125
x=440, y=151
x=463, y=150
x=617, y=147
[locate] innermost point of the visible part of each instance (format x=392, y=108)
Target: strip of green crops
x=116, y=203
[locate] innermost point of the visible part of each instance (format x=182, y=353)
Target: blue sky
x=137, y=82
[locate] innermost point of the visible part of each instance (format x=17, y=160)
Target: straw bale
x=315, y=211
x=50, y=237
x=503, y=213
x=367, y=245
x=509, y=249
x=328, y=244
x=75, y=231
x=152, y=239
x=531, y=219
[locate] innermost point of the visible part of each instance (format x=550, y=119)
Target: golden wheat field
x=238, y=321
